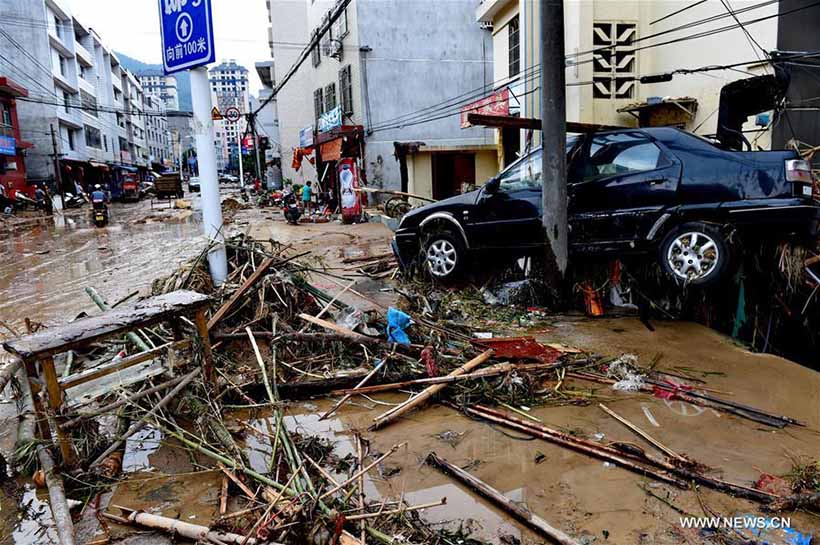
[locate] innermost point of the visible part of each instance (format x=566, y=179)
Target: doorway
x=452, y=171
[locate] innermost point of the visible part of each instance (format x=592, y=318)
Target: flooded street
x=45, y=269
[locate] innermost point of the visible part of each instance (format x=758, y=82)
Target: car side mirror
x=492, y=186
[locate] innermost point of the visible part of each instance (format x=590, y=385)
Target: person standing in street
x=306, y=195
x=43, y=200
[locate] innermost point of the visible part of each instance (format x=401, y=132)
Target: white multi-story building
x=229, y=88
x=95, y=107
x=156, y=131
x=155, y=82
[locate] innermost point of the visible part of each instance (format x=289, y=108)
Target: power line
x=681, y=10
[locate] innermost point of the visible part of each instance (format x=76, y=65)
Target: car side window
x=523, y=175
x=620, y=153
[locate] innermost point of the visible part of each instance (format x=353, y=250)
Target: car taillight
x=798, y=170
x=799, y=173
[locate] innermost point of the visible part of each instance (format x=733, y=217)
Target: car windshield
x=525, y=173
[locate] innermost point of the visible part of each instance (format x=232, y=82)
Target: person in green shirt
x=306, y=194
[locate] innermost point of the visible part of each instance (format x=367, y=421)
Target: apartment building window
x=117, y=95
x=92, y=137
x=66, y=101
x=89, y=103
x=346, y=90
x=613, y=68
x=105, y=142
x=6, y=128
x=316, y=56
x=318, y=102
x=63, y=66
x=330, y=97
x=340, y=28
x=72, y=145
x=58, y=27
x=514, y=47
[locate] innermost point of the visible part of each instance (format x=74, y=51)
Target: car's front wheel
x=444, y=255
x=695, y=254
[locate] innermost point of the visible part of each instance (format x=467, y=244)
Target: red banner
x=497, y=103
x=348, y=183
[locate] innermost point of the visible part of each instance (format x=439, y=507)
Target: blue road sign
x=187, y=33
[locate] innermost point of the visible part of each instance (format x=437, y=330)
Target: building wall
x=289, y=25
x=579, y=18
x=413, y=65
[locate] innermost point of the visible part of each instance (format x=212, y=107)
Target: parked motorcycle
x=291, y=210
x=74, y=201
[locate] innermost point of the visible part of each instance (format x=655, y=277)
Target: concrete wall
x=423, y=52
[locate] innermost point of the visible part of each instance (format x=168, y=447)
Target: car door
x=510, y=216
x=618, y=187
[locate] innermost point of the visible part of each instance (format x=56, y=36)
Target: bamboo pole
x=384, y=419
x=363, y=516
x=651, y=440
x=117, y=404
x=100, y=302
x=142, y=422
x=61, y=513
x=362, y=471
x=184, y=529
x=353, y=392
x=483, y=489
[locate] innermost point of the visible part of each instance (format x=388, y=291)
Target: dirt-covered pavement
x=585, y=497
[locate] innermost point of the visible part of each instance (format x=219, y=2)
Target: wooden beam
x=530, y=123
x=257, y=275
x=483, y=489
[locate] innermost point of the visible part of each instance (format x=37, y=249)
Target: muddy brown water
x=583, y=496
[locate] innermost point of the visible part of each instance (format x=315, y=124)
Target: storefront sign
x=330, y=120
x=306, y=137
x=497, y=103
x=8, y=146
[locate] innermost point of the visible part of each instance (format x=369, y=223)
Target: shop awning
x=331, y=151
x=663, y=112
x=126, y=168
x=99, y=165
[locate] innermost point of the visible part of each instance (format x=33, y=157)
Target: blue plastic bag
x=397, y=322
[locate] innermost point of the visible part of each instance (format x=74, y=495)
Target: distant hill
x=183, y=78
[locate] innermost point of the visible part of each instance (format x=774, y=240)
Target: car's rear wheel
x=444, y=255
x=694, y=254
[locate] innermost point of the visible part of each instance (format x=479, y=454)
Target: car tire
x=694, y=254
x=444, y=255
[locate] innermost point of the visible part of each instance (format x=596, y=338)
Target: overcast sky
x=133, y=28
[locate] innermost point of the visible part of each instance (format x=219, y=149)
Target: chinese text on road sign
x=187, y=34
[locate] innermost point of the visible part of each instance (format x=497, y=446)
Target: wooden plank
x=116, y=321
x=105, y=370
x=257, y=275
x=483, y=489
x=349, y=333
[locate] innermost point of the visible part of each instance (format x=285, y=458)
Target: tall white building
x=155, y=82
x=229, y=88
x=80, y=89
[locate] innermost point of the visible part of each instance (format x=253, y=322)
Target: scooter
x=291, y=210
x=100, y=213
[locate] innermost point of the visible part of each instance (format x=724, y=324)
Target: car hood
x=452, y=204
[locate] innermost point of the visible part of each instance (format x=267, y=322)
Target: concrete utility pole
x=553, y=139
x=239, y=147
x=256, y=147
x=57, y=170
x=208, y=179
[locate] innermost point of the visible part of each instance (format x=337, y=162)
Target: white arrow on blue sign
x=187, y=33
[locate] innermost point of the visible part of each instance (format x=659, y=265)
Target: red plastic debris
x=670, y=390
x=428, y=357
x=519, y=348
x=773, y=485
